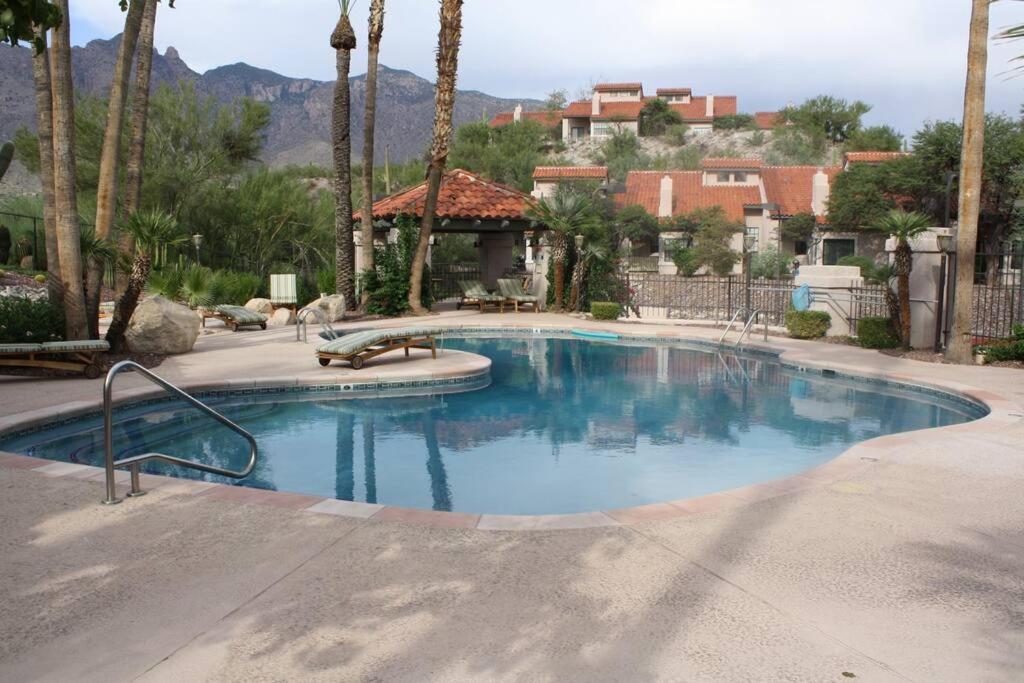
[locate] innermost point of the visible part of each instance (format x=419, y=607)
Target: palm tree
x=149, y=230
x=110, y=153
x=65, y=180
x=904, y=226
x=448, y=38
x=960, y=346
x=566, y=213
x=343, y=40
x=585, y=257
x=376, y=29
x=44, y=126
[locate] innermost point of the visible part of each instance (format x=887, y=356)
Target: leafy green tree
x=875, y=139
x=712, y=233
x=23, y=19
x=799, y=227
x=556, y=100
x=734, y=122
x=656, y=117
x=636, y=225
x=506, y=155
x=833, y=117
x=769, y=262
x=864, y=194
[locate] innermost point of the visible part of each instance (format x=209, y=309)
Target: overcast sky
x=905, y=57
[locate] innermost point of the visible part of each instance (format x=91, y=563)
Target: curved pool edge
x=1002, y=411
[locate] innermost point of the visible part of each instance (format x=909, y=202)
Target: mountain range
x=299, y=131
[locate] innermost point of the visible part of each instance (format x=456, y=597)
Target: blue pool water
x=565, y=425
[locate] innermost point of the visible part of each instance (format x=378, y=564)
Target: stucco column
x=831, y=286
x=924, y=286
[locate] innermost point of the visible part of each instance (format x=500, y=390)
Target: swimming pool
x=565, y=425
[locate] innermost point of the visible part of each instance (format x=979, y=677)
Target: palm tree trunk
x=134, y=287
x=448, y=39
x=578, y=274
x=960, y=345
x=44, y=125
x=110, y=153
x=902, y=264
x=343, y=40
x=376, y=30
x=559, y=254
x=65, y=180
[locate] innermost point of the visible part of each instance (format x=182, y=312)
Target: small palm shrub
x=27, y=321
x=605, y=310
x=876, y=332
x=1011, y=348
x=807, y=324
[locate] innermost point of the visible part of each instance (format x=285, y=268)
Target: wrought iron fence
x=998, y=296
x=640, y=264
x=655, y=295
x=444, y=279
x=866, y=302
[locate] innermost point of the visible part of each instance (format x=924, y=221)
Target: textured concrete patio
x=908, y=567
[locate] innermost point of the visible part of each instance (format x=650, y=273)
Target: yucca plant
x=903, y=226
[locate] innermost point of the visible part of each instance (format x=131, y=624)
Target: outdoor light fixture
x=945, y=243
x=579, y=242
x=748, y=242
x=197, y=240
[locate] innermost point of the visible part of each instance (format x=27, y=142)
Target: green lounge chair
x=514, y=293
x=236, y=316
x=78, y=356
x=475, y=294
x=284, y=291
x=361, y=346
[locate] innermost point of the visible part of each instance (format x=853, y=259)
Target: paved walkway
x=912, y=568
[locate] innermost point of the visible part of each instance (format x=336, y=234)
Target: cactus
x=6, y=157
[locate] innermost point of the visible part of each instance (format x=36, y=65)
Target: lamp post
x=945, y=243
x=197, y=240
x=748, y=245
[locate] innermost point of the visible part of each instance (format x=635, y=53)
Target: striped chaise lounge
x=359, y=347
x=77, y=356
x=514, y=293
x=236, y=316
x=475, y=294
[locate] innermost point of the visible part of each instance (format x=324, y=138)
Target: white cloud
x=904, y=56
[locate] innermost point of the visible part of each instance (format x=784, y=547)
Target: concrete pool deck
x=908, y=567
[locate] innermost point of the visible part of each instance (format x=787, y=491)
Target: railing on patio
x=653, y=295
x=998, y=292
x=444, y=279
x=866, y=302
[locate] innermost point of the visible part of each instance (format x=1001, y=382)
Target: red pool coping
x=1003, y=412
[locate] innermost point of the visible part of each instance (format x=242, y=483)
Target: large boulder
x=260, y=306
x=282, y=317
x=333, y=306
x=162, y=326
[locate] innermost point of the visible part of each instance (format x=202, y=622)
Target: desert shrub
x=604, y=310
x=603, y=282
x=877, y=333
x=734, y=122
x=24, y=320
x=325, y=279
x=807, y=324
x=675, y=134
x=232, y=287
x=686, y=261
x=1007, y=349
x=769, y=262
x=757, y=139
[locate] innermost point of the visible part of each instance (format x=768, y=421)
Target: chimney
x=595, y=106
x=819, y=193
x=711, y=106
x=665, y=198
x=517, y=114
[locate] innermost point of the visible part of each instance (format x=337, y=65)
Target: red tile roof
x=722, y=162
x=630, y=111
x=579, y=109
x=872, y=157
x=463, y=195
x=602, y=87
x=688, y=193
x=674, y=91
x=696, y=109
x=791, y=187
x=555, y=172
x=766, y=120
x=549, y=119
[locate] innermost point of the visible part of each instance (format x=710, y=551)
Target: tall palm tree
x=448, y=39
x=566, y=213
x=343, y=40
x=149, y=230
x=65, y=179
x=960, y=346
x=903, y=226
x=110, y=153
x=585, y=257
x=44, y=127
x=375, y=31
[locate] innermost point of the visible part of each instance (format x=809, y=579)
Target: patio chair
x=284, y=291
x=514, y=293
x=235, y=316
x=77, y=356
x=475, y=294
x=359, y=347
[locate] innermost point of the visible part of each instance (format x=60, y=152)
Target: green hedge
x=24, y=320
x=605, y=310
x=807, y=324
x=876, y=333
x=1011, y=348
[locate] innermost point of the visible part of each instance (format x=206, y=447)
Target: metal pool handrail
x=134, y=461
x=320, y=318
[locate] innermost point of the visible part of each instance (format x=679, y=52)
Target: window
x=739, y=177
x=837, y=249
x=600, y=129
x=800, y=248
x=723, y=177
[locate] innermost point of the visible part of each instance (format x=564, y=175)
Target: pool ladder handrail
x=300, y=322
x=747, y=327
x=134, y=461
x=728, y=328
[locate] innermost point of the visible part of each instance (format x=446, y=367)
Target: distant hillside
x=299, y=131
